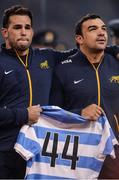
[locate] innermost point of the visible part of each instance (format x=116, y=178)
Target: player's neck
x=20, y=52
x=93, y=57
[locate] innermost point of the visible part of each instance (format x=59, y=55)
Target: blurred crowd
x=114, y=31
x=48, y=38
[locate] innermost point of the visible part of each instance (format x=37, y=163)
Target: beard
x=22, y=47
x=94, y=50
x=19, y=46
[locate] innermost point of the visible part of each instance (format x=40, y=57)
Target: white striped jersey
x=63, y=149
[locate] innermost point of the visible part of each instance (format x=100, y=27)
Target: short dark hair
x=15, y=10
x=78, y=27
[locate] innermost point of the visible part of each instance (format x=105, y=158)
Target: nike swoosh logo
x=8, y=72
x=76, y=82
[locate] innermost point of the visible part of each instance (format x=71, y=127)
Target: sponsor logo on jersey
x=8, y=72
x=78, y=81
x=67, y=61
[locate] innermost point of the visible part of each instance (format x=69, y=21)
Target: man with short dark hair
x=25, y=81
x=87, y=83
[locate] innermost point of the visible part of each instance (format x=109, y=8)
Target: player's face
x=94, y=35
x=19, y=33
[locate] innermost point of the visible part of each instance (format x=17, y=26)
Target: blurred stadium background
x=62, y=15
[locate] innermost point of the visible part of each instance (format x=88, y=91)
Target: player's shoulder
x=69, y=61
x=38, y=50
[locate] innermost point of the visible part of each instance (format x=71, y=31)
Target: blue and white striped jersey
x=65, y=147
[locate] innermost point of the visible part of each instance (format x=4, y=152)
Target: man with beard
x=25, y=80
x=87, y=83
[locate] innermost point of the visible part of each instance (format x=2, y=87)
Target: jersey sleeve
x=27, y=144
x=108, y=140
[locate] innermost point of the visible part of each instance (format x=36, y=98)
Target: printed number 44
x=74, y=158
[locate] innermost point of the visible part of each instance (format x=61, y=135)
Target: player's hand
x=33, y=114
x=92, y=112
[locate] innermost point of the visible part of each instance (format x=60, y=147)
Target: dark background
x=61, y=15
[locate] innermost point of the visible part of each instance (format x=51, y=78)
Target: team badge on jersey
x=44, y=65
x=114, y=79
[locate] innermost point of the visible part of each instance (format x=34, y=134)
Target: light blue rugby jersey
x=63, y=145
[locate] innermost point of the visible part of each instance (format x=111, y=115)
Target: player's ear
x=79, y=39
x=4, y=33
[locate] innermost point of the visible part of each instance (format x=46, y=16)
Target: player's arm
x=19, y=116
x=113, y=50
x=61, y=55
